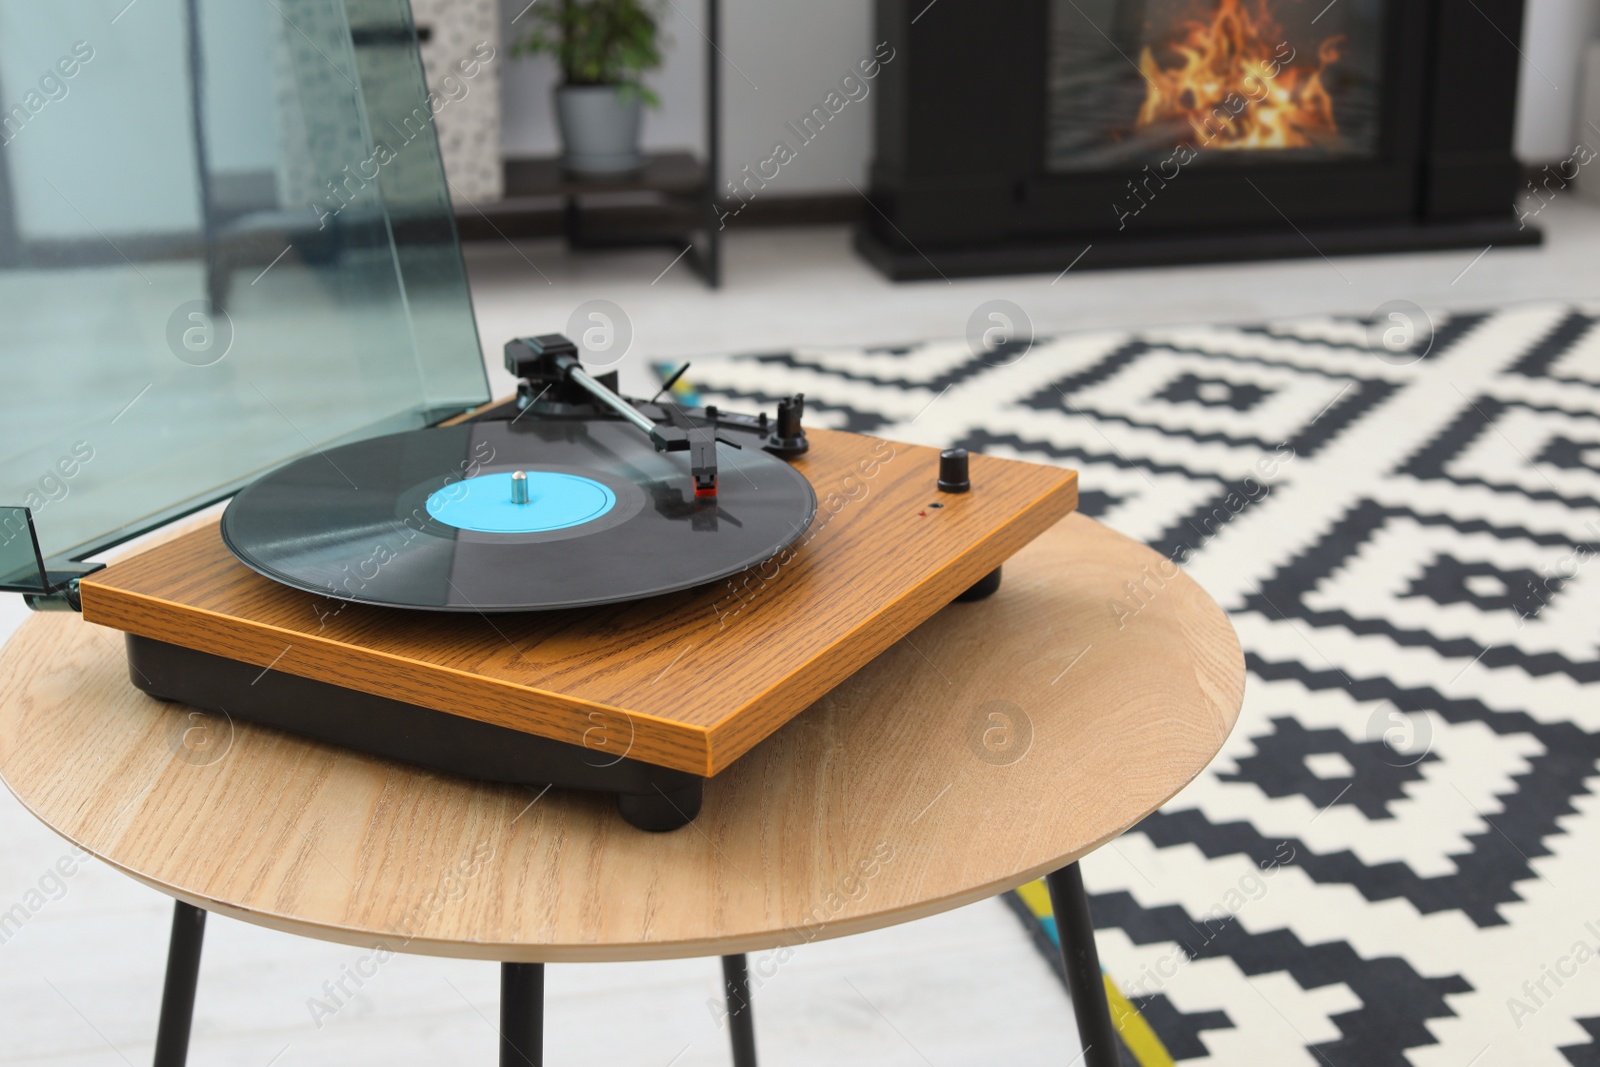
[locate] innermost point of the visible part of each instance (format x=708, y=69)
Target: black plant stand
x=687, y=217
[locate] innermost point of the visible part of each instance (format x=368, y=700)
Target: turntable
x=568, y=589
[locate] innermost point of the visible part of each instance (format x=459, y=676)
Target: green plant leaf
x=597, y=42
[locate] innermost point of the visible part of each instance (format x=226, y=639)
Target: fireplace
x=1012, y=137
x=1232, y=78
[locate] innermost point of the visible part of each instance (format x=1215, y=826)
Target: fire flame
x=1235, y=89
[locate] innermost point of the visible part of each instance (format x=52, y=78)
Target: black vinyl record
x=427, y=519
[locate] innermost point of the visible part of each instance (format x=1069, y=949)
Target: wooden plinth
x=689, y=681
x=998, y=741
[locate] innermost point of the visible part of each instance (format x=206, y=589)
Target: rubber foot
x=660, y=812
x=986, y=587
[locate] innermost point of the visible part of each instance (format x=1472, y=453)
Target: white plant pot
x=599, y=128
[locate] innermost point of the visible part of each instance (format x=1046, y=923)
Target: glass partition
x=225, y=240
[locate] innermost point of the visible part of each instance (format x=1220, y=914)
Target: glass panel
x=21, y=568
x=1141, y=81
x=225, y=240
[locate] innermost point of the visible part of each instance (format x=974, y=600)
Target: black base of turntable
x=649, y=797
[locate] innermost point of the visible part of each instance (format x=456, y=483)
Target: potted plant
x=603, y=47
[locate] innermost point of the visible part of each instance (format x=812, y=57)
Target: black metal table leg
x=177, y=995
x=741, y=1020
x=1084, y=981
x=521, y=1015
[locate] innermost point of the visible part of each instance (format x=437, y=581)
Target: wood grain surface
x=690, y=680
x=998, y=741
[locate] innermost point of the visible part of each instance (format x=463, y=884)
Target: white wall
x=781, y=60
x=1554, y=38
x=528, y=123
x=240, y=84
x=119, y=147
x=794, y=52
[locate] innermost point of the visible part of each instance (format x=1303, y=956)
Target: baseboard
x=1121, y=250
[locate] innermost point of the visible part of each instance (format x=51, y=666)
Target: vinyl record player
x=633, y=635
x=567, y=588
x=635, y=656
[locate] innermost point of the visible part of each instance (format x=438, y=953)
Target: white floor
x=788, y=288
x=80, y=983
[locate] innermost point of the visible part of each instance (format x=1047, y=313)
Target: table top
x=998, y=741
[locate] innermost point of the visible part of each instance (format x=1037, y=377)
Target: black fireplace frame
x=959, y=182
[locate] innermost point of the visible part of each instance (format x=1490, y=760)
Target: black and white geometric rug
x=1396, y=857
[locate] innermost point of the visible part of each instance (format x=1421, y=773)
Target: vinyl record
x=426, y=519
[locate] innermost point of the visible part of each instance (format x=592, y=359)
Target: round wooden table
x=998, y=742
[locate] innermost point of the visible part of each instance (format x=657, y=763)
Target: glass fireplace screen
x=1133, y=81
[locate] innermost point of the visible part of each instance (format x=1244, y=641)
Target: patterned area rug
x=1395, y=858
